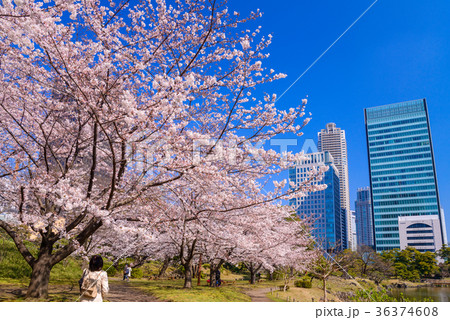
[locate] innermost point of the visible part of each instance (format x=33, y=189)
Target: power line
x=323, y=53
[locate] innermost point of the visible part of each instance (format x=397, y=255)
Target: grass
x=13, y=265
x=334, y=285
x=397, y=281
x=172, y=290
x=58, y=291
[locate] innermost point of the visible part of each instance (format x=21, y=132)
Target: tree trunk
x=187, y=277
x=194, y=271
x=253, y=271
x=212, y=275
x=43, y=264
x=286, y=281
x=164, y=267
x=40, y=276
x=213, y=268
x=199, y=270
x=270, y=275
x=252, y=276
x=324, y=290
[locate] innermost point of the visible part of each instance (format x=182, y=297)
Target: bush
x=234, y=268
x=111, y=272
x=304, y=282
x=137, y=273
x=382, y=296
x=277, y=275
x=150, y=269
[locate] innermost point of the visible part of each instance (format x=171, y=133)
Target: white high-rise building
x=443, y=226
x=354, y=235
x=332, y=139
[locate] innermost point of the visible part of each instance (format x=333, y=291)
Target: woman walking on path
x=127, y=273
x=94, y=283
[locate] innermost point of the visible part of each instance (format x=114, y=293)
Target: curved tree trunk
x=187, y=253
x=324, y=289
x=43, y=264
x=164, y=267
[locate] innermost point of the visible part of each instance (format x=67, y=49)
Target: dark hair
x=96, y=263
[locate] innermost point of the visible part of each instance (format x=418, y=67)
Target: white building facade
x=333, y=140
x=420, y=232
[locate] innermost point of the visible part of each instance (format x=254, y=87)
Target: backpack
x=88, y=285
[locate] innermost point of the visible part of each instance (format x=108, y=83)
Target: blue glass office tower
x=323, y=207
x=401, y=166
x=364, y=217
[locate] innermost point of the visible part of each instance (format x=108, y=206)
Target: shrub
x=304, y=282
x=277, y=275
x=382, y=296
x=111, y=271
x=137, y=273
x=150, y=269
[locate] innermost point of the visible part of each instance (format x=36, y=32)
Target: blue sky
x=399, y=51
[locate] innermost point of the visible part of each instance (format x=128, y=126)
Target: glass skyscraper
x=323, y=208
x=401, y=166
x=364, y=218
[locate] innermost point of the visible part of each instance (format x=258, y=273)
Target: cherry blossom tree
x=278, y=242
x=326, y=265
x=202, y=217
x=102, y=104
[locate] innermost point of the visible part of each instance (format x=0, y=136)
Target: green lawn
x=172, y=290
x=334, y=285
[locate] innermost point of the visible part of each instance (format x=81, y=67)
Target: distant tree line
x=408, y=264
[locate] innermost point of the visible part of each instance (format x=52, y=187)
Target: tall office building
x=364, y=218
x=323, y=207
x=402, y=170
x=332, y=139
x=444, y=227
x=354, y=237
x=344, y=229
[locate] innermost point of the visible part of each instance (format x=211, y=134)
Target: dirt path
x=121, y=291
x=259, y=295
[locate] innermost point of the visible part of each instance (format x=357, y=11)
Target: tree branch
x=29, y=258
